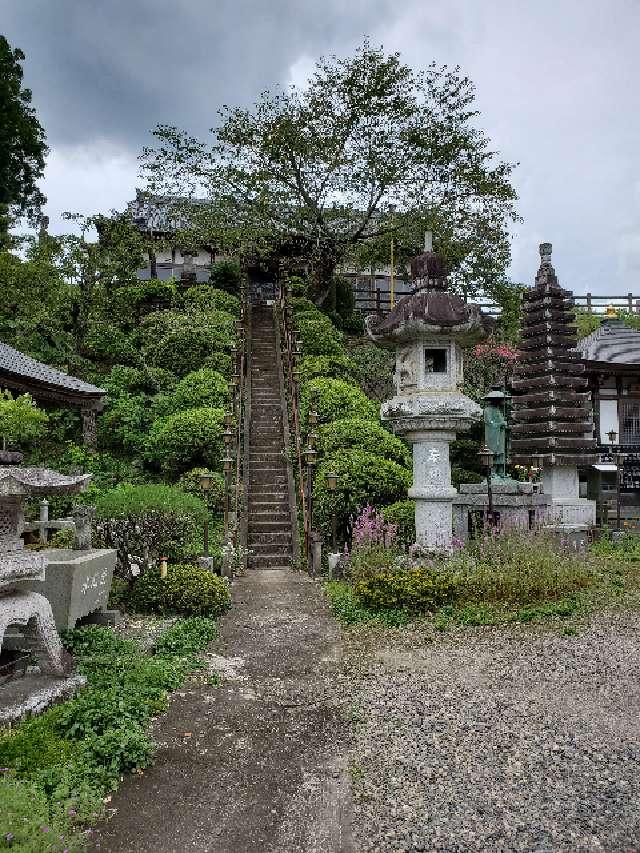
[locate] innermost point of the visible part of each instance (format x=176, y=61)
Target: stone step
x=265, y=523
x=272, y=538
x=274, y=563
x=270, y=549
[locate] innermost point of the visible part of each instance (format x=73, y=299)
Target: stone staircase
x=269, y=521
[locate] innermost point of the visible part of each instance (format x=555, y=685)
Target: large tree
x=22, y=143
x=369, y=149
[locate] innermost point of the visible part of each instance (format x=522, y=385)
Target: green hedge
x=403, y=515
x=334, y=399
x=360, y=434
x=186, y=440
x=186, y=590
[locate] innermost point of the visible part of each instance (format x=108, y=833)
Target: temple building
x=19, y=373
x=611, y=356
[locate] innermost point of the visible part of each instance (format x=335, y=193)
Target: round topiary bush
x=357, y=433
x=187, y=590
x=204, y=388
x=373, y=370
x=336, y=399
x=319, y=336
x=331, y=366
x=186, y=440
x=203, y=297
x=183, y=341
x=364, y=479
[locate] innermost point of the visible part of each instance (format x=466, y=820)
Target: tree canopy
x=369, y=149
x=22, y=142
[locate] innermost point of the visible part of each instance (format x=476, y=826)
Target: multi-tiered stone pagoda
x=552, y=416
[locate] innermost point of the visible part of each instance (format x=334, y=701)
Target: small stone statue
x=495, y=431
x=83, y=518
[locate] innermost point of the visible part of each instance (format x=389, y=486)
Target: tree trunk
x=323, y=270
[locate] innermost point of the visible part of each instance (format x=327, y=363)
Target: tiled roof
x=17, y=364
x=613, y=342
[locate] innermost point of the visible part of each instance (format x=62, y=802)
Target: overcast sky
x=557, y=85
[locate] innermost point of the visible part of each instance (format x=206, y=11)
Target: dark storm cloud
x=114, y=69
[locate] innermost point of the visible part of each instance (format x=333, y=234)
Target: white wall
x=608, y=420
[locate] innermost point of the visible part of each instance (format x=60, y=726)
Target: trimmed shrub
x=183, y=341
x=335, y=399
x=204, y=388
x=403, y=515
x=319, y=336
x=373, y=369
x=137, y=380
x=363, y=479
x=302, y=305
x=419, y=590
x=151, y=295
x=186, y=590
x=145, y=522
x=356, y=433
x=331, y=366
x=297, y=285
x=186, y=440
x=203, y=297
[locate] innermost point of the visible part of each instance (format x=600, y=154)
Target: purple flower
x=9, y=836
x=44, y=828
x=72, y=812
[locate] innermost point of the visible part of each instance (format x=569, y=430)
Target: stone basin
x=76, y=583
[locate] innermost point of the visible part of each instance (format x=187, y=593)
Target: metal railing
x=379, y=302
x=305, y=457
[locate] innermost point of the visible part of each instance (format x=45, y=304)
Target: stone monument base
x=515, y=505
x=33, y=694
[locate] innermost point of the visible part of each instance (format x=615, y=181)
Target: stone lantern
x=427, y=329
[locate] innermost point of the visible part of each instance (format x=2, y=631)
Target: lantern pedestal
x=562, y=485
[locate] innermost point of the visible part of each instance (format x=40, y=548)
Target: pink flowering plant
x=374, y=546
x=485, y=365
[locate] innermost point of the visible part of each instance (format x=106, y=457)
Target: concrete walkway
x=258, y=763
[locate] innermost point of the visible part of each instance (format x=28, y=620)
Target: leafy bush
x=225, y=275
x=183, y=341
x=373, y=369
x=186, y=440
x=153, y=294
x=207, y=298
x=213, y=497
x=187, y=590
x=418, y=590
x=336, y=399
x=297, y=285
x=21, y=421
x=145, y=522
x=349, y=610
x=186, y=637
x=124, y=423
x=204, y=388
x=319, y=336
x=332, y=366
x=137, y=380
x=302, y=305
x=106, y=342
x=363, y=479
x=356, y=433
x=403, y=515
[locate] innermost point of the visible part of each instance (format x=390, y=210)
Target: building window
x=630, y=412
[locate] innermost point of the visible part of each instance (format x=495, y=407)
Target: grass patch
x=65, y=761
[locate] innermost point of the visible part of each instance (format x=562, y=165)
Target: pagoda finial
x=545, y=253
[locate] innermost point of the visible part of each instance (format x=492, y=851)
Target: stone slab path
x=256, y=764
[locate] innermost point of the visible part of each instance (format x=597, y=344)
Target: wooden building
x=611, y=356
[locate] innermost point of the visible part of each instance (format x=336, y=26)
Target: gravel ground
x=497, y=739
